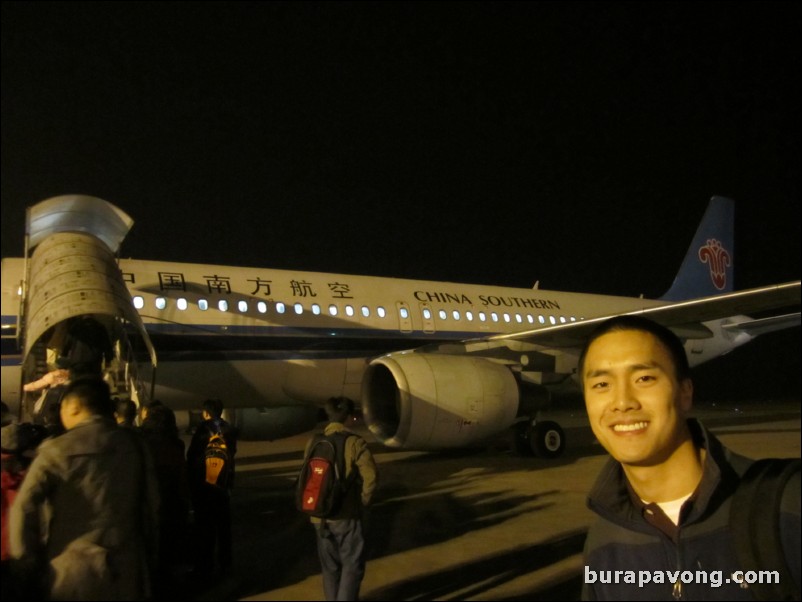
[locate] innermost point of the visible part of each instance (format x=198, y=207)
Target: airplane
x=433, y=365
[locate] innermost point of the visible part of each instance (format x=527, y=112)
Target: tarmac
x=475, y=524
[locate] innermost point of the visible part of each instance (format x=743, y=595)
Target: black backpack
x=321, y=486
x=217, y=462
x=755, y=525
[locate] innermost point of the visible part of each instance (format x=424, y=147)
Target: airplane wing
x=686, y=318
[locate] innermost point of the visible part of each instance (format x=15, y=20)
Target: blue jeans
x=341, y=548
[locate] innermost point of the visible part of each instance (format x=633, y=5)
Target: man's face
x=70, y=412
x=636, y=405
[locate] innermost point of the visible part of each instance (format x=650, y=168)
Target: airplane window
x=518, y=318
x=161, y=302
x=242, y=306
x=469, y=316
x=427, y=314
x=182, y=304
x=349, y=311
x=316, y=309
x=366, y=311
x=203, y=304
x=562, y=319
x=299, y=308
x=381, y=312
x=541, y=319
x=494, y=316
x=280, y=307
x=506, y=317
x=333, y=310
x=552, y=320
x=139, y=302
x=222, y=305
x=530, y=319
x=573, y=319
x=482, y=316
x=261, y=307
x=443, y=315
x=404, y=313
x=455, y=314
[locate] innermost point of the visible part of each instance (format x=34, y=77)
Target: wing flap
x=764, y=325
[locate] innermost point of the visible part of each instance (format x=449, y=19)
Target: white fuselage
x=257, y=336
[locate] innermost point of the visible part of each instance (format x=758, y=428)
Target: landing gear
x=543, y=439
x=547, y=439
x=520, y=439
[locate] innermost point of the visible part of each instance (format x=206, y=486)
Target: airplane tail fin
x=708, y=266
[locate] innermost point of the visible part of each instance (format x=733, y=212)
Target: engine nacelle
x=436, y=401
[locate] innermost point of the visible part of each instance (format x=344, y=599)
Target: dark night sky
x=502, y=143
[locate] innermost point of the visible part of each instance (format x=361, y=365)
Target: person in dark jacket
x=160, y=433
x=211, y=503
x=19, y=443
x=86, y=513
x=664, y=497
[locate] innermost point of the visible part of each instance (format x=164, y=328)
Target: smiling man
x=664, y=497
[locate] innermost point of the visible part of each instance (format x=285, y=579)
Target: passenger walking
x=86, y=513
x=211, y=502
x=19, y=443
x=340, y=538
x=160, y=433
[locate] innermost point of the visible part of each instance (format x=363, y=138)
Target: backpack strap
x=755, y=525
x=316, y=438
x=215, y=428
x=339, y=440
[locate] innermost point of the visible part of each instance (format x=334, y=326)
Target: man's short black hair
x=670, y=341
x=214, y=407
x=125, y=408
x=160, y=419
x=93, y=394
x=338, y=409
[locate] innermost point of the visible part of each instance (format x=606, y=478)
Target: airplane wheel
x=521, y=440
x=547, y=439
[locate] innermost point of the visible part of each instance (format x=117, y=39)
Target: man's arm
x=25, y=516
x=367, y=468
x=198, y=443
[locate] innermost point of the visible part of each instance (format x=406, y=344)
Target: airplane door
x=404, y=317
x=428, y=318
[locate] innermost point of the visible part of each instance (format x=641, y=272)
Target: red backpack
x=321, y=486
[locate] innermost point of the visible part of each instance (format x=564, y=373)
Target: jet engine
x=435, y=401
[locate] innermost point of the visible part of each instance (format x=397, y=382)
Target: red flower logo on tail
x=718, y=259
